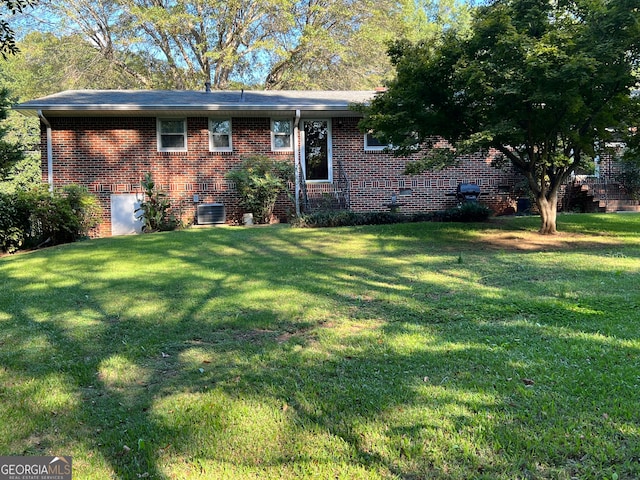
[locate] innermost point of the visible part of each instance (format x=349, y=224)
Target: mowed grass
x=416, y=351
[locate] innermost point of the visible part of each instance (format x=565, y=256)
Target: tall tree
x=544, y=83
x=331, y=44
x=192, y=41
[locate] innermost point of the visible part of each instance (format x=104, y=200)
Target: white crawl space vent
x=211, y=213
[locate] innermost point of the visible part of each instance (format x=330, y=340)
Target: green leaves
x=259, y=180
x=154, y=209
x=542, y=82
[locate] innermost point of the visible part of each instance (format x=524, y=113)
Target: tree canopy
x=544, y=84
x=276, y=44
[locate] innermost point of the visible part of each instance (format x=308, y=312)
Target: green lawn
x=408, y=351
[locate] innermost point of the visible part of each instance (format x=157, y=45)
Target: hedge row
x=469, y=212
x=40, y=218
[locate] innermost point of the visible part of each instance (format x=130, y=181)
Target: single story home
x=188, y=140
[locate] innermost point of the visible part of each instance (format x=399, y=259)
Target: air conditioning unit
x=211, y=213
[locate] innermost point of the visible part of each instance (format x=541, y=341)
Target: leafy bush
x=85, y=208
x=62, y=217
x=154, y=210
x=259, y=180
x=470, y=212
x=39, y=217
x=467, y=212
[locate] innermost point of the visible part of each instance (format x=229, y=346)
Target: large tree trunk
x=548, y=208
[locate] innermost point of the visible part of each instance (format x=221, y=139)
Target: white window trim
x=273, y=135
x=373, y=148
x=329, y=151
x=213, y=148
x=159, y=134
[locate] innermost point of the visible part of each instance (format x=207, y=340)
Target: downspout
x=49, y=150
x=296, y=157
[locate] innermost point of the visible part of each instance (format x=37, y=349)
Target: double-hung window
x=282, y=135
x=220, y=135
x=172, y=134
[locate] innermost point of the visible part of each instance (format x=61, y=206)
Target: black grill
x=467, y=193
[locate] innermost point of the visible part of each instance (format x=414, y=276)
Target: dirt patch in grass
x=533, y=241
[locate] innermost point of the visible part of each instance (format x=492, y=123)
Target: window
x=172, y=135
x=372, y=144
x=220, y=135
x=281, y=135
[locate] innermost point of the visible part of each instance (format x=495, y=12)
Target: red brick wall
x=375, y=176
x=112, y=154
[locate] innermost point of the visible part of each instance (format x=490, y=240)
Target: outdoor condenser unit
x=210, y=213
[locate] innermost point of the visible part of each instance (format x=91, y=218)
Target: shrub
x=259, y=180
x=85, y=208
x=154, y=210
x=62, y=217
x=38, y=217
x=346, y=218
x=469, y=212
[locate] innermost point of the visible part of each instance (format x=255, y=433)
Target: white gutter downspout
x=296, y=157
x=49, y=150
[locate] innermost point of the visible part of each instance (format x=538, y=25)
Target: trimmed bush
x=467, y=212
x=470, y=212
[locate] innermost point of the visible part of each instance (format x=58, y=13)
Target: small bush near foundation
x=259, y=180
x=471, y=212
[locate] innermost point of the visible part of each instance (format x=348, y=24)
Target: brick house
x=189, y=140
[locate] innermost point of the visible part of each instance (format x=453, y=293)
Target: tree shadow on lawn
x=372, y=377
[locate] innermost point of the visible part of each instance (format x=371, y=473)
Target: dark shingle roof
x=153, y=102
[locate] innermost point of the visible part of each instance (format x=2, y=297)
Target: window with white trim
x=282, y=135
x=372, y=144
x=220, y=135
x=172, y=134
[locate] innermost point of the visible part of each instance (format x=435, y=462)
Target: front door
x=316, y=150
